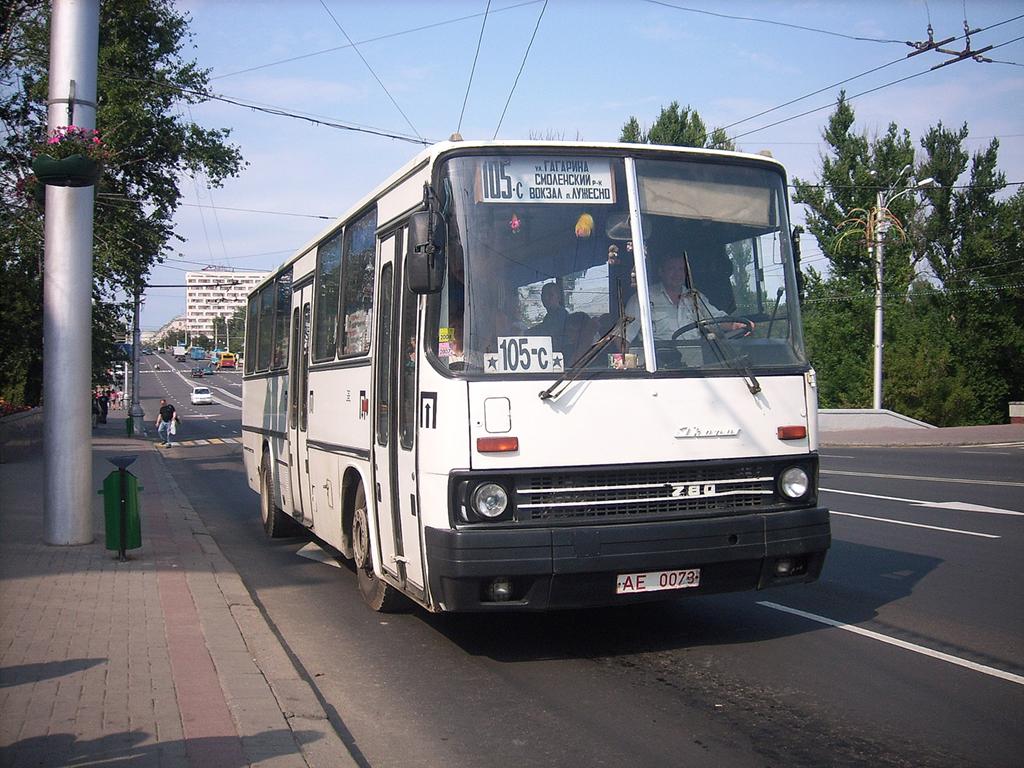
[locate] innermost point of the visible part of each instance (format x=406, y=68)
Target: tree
x=973, y=249
x=954, y=322
x=142, y=80
x=676, y=126
x=231, y=329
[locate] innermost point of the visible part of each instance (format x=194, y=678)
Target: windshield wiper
x=715, y=341
x=571, y=372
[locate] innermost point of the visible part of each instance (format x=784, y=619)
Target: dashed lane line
x=915, y=525
x=955, y=506
x=921, y=477
x=949, y=658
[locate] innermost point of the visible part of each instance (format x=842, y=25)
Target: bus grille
x=664, y=492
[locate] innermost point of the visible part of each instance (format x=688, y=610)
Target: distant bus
x=226, y=360
x=404, y=400
x=197, y=353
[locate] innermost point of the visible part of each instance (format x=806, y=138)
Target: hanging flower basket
x=70, y=157
x=72, y=171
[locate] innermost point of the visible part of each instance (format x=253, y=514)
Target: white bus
x=537, y=375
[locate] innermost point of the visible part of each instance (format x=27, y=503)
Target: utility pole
x=67, y=287
x=879, y=220
x=880, y=225
x=135, y=412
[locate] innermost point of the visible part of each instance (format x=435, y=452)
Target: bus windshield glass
x=544, y=262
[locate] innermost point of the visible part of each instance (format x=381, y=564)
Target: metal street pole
x=882, y=219
x=136, y=411
x=67, y=287
x=879, y=229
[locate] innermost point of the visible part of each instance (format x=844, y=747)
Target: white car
x=201, y=396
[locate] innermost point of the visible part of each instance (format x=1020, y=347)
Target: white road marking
x=915, y=525
x=313, y=552
x=956, y=506
x=921, y=477
x=1018, y=679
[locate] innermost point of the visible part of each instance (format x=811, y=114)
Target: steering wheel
x=736, y=333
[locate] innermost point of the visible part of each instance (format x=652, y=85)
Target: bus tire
x=275, y=522
x=379, y=595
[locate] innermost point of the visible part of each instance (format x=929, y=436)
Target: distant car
x=210, y=369
x=201, y=396
x=197, y=373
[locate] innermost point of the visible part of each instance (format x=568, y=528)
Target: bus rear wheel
x=275, y=522
x=379, y=595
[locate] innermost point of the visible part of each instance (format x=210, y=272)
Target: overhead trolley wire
x=379, y=81
x=520, y=72
x=774, y=23
x=855, y=77
x=854, y=96
x=473, y=68
x=370, y=40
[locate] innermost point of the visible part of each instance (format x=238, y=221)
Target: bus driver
x=673, y=303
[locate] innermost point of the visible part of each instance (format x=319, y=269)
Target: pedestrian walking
x=104, y=400
x=165, y=422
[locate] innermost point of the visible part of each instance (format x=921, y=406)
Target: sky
x=591, y=66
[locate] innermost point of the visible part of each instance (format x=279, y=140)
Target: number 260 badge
x=523, y=354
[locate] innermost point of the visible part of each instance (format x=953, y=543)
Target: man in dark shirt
x=553, y=324
x=163, y=422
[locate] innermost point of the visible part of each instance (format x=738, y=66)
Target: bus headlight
x=794, y=483
x=489, y=500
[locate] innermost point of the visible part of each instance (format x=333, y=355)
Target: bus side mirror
x=425, y=263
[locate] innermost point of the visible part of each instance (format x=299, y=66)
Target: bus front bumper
x=574, y=567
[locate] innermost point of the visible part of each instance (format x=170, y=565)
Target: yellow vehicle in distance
x=227, y=360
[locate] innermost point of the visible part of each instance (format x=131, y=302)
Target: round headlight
x=794, y=482
x=490, y=500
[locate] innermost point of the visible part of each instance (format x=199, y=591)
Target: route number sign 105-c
x=523, y=354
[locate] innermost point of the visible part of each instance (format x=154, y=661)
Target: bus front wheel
x=379, y=595
x=275, y=522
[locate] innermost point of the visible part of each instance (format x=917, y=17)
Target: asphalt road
x=907, y=652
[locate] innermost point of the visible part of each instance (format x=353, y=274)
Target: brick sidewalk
x=161, y=661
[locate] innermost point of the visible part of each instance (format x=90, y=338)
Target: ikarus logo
x=707, y=431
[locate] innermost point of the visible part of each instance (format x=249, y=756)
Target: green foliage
x=676, y=126
x=954, y=344
x=143, y=80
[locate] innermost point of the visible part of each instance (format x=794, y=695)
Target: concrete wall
x=839, y=419
x=1017, y=413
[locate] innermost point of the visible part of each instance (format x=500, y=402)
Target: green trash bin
x=129, y=426
x=121, y=509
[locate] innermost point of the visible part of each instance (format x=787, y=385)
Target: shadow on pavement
x=126, y=749
x=46, y=670
x=882, y=576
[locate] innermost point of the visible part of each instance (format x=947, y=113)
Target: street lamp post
x=881, y=217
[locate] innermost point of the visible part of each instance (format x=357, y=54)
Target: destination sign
x=586, y=180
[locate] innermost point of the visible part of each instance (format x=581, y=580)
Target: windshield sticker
x=545, y=180
x=523, y=354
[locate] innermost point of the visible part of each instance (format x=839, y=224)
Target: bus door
x=394, y=459
x=298, y=406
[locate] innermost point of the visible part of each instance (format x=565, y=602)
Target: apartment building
x=214, y=293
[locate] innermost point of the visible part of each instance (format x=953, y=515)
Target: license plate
x=655, y=581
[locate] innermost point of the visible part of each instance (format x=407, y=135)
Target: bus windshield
x=544, y=261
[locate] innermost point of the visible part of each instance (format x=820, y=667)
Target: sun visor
x=706, y=200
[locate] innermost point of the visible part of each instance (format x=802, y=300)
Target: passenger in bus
x=579, y=336
x=674, y=303
x=554, y=321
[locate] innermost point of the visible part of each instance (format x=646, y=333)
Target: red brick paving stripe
x=204, y=712
x=211, y=739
